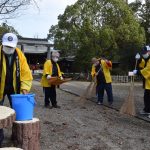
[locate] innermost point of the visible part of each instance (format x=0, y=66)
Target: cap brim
x=9, y=44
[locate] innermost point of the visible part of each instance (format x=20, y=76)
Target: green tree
x=95, y=28
x=142, y=12
x=4, y=28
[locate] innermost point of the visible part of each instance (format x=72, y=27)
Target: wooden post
x=26, y=134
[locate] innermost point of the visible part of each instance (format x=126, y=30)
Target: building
x=35, y=50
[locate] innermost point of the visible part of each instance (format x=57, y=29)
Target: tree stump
x=10, y=148
x=7, y=116
x=26, y=134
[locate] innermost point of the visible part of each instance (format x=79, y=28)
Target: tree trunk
x=7, y=116
x=26, y=134
x=10, y=148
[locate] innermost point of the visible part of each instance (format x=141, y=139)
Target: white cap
x=9, y=39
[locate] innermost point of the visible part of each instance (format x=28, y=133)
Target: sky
x=36, y=24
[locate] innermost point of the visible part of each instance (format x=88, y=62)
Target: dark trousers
x=100, y=91
x=147, y=101
x=50, y=95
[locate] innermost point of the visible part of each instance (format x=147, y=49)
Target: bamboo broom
x=91, y=89
x=86, y=93
x=128, y=106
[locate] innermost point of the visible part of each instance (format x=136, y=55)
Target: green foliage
x=4, y=28
x=142, y=11
x=95, y=28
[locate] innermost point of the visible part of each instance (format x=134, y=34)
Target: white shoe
x=148, y=116
x=99, y=103
x=144, y=113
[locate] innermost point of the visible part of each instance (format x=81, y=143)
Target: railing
x=120, y=79
x=87, y=77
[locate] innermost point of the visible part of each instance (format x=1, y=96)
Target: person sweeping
x=101, y=70
x=144, y=71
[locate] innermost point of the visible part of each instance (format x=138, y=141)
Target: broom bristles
x=128, y=106
x=92, y=91
x=87, y=92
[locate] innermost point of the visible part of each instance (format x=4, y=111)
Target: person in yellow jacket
x=101, y=71
x=144, y=70
x=51, y=69
x=15, y=75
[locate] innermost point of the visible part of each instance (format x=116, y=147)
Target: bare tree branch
x=11, y=8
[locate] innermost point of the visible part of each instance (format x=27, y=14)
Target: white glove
x=61, y=78
x=137, y=56
x=134, y=72
x=48, y=77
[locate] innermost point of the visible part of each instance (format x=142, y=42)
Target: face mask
x=96, y=63
x=55, y=59
x=145, y=56
x=8, y=50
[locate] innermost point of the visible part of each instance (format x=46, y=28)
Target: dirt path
x=83, y=125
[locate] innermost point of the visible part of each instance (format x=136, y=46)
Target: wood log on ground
x=26, y=134
x=10, y=148
x=7, y=116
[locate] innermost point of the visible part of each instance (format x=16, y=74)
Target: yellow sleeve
x=146, y=71
x=142, y=64
x=59, y=72
x=93, y=72
x=47, y=68
x=26, y=85
x=25, y=73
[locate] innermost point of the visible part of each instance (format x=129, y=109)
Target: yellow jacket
x=48, y=70
x=145, y=71
x=106, y=70
x=25, y=73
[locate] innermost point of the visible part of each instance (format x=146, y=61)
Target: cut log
x=26, y=134
x=7, y=116
x=10, y=148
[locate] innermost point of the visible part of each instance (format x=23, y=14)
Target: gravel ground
x=83, y=125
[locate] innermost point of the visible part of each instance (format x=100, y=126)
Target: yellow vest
x=25, y=73
x=106, y=71
x=145, y=71
x=48, y=70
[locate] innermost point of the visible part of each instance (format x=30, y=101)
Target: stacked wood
x=7, y=116
x=10, y=148
x=26, y=134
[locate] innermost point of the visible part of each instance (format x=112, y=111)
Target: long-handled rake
x=128, y=106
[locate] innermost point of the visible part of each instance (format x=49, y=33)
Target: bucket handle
x=34, y=103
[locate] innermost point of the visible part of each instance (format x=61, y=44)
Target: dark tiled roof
x=34, y=41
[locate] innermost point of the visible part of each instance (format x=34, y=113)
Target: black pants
x=147, y=101
x=50, y=95
x=100, y=91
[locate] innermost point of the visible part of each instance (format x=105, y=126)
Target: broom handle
x=132, y=77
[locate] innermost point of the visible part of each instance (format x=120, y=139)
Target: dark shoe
x=56, y=106
x=110, y=104
x=49, y=107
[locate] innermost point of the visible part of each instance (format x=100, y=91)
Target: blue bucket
x=23, y=104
